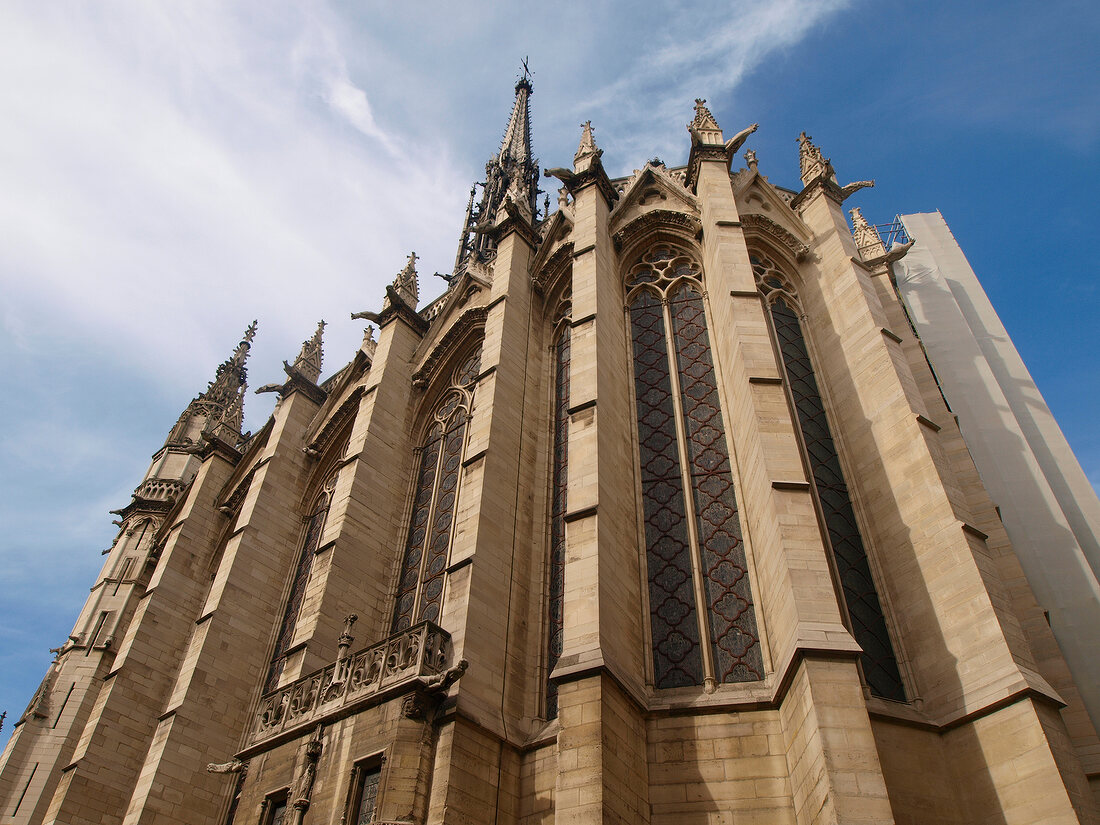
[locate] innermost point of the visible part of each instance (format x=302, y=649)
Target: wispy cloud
x=707, y=53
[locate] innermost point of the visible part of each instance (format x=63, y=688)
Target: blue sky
x=168, y=172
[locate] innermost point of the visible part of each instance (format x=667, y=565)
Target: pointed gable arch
x=658, y=226
x=650, y=189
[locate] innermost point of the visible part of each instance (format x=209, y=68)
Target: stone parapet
x=368, y=677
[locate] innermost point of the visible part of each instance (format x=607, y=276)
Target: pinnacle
x=587, y=145
x=308, y=362
x=703, y=118
x=810, y=160
x=406, y=283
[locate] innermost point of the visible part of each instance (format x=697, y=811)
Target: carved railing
x=159, y=489
x=420, y=652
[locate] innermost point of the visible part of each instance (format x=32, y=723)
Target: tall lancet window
x=880, y=667
x=423, y=568
x=702, y=620
x=559, y=458
x=315, y=525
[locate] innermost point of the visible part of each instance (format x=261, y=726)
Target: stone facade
x=656, y=515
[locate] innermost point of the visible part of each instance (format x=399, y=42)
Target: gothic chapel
x=656, y=515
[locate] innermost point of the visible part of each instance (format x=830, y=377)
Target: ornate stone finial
x=308, y=362
x=810, y=160
x=750, y=159
x=406, y=284
x=703, y=118
x=866, y=236
x=704, y=129
x=587, y=150
x=346, y=638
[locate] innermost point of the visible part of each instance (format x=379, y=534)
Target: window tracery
x=315, y=525
x=702, y=620
x=423, y=567
x=558, y=503
x=868, y=624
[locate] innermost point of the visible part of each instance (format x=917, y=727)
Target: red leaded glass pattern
x=557, y=513
x=427, y=547
x=880, y=665
x=736, y=648
x=314, y=527
x=677, y=660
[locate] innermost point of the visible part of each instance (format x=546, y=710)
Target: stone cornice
x=824, y=184
x=680, y=224
x=397, y=309
x=555, y=265
x=761, y=226
x=700, y=153
x=594, y=176
x=344, y=413
x=514, y=221
x=468, y=321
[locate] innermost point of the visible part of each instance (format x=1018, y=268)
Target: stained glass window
x=427, y=546
x=365, y=794
x=880, y=667
x=695, y=557
x=557, y=512
x=315, y=525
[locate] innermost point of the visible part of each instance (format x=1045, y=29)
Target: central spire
x=512, y=173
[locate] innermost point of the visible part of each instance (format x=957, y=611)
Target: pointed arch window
x=702, y=619
x=880, y=666
x=559, y=458
x=315, y=525
x=424, y=564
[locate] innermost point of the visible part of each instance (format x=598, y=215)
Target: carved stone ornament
x=761, y=226
x=413, y=707
x=232, y=766
x=467, y=322
x=556, y=265
x=302, y=789
x=679, y=224
x=335, y=425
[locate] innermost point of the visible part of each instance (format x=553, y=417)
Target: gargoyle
x=738, y=140
x=567, y=176
x=854, y=187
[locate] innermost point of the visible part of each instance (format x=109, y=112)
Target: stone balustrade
x=369, y=676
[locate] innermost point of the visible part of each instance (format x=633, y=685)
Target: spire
x=516, y=145
x=308, y=362
x=866, y=236
x=811, y=162
x=512, y=173
x=218, y=410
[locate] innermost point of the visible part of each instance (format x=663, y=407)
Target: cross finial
x=527, y=73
